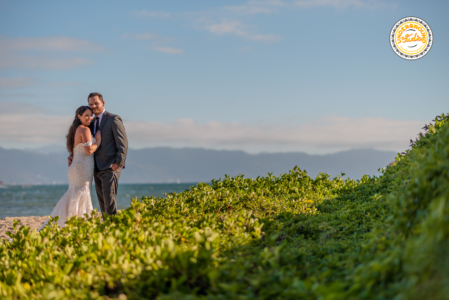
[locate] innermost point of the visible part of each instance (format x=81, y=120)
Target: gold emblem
x=411, y=38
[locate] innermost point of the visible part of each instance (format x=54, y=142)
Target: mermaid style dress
x=77, y=201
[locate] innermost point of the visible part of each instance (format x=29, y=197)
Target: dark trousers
x=106, y=185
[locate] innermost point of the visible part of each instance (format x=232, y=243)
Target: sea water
x=39, y=200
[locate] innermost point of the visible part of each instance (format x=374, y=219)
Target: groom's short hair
x=95, y=94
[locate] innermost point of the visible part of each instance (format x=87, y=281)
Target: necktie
x=97, y=124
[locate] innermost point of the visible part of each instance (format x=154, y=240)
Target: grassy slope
x=284, y=237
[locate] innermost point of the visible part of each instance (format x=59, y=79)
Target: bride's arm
x=86, y=139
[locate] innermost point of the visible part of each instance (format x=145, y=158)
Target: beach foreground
x=32, y=222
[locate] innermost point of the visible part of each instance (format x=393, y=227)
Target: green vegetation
x=287, y=237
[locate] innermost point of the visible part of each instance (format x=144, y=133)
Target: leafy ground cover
x=286, y=237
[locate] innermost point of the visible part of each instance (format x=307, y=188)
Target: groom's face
x=96, y=105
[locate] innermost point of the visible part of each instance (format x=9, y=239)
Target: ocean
x=39, y=200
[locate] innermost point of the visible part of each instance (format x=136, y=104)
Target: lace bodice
x=82, y=166
x=84, y=144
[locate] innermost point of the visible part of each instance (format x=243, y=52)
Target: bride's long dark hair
x=76, y=122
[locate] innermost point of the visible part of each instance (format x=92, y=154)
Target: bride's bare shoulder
x=82, y=129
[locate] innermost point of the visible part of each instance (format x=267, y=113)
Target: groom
x=110, y=156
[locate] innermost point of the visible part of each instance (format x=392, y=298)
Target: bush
x=286, y=237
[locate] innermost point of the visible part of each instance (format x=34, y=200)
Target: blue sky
x=314, y=75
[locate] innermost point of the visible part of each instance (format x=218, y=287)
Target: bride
x=77, y=200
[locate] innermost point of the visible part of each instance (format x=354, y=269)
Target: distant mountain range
x=162, y=165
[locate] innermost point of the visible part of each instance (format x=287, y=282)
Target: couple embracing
x=98, y=145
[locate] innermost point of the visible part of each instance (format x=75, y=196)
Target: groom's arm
x=121, y=141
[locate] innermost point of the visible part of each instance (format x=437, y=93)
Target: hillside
x=161, y=165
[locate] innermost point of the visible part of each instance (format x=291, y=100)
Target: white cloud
x=333, y=131
x=12, y=61
x=168, y=50
x=61, y=44
x=65, y=83
x=33, y=126
x=29, y=125
x=145, y=36
x=370, y=4
x=158, y=40
x=148, y=36
x=340, y=4
x=46, y=53
x=248, y=9
x=270, y=6
x=267, y=2
x=14, y=83
x=142, y=36
x=14, y=108
x=239, y=29
x=150, y=14
x=227, y=27
x=15, y=96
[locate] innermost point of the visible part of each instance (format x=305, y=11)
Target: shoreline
x=31, y=221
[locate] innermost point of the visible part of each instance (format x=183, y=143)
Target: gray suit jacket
x=114, y=143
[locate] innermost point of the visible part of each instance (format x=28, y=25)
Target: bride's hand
x=98, y=136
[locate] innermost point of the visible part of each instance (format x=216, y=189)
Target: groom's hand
x=115, y=167
x=70, y=159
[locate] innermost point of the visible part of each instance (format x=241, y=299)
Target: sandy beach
x=6, y=223
x=34, y=222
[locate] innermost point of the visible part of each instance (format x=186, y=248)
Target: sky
x=316, y=76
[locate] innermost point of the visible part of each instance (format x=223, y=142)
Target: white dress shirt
x=99, y=121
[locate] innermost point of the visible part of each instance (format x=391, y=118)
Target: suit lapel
x=103, y=120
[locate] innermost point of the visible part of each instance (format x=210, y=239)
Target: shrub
x=286, y=237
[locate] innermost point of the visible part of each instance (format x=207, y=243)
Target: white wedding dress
x=77, y=200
